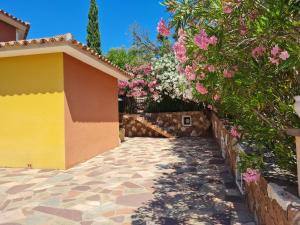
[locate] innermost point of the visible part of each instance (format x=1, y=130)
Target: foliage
x=123, y=57
x=243, y=57
x=93, y=32
x=168, y=104
x=169, y=81
x=156, y=80
x=147, y=49
x=252, y=160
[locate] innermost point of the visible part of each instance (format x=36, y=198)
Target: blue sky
x=52, y=17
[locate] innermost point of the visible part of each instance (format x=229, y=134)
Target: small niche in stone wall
x=186, y=121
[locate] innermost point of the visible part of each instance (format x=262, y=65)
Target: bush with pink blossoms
x=138, y=86
x=243, y=59
x=158, y=79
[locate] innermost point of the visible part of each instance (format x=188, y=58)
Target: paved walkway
x=144, y=181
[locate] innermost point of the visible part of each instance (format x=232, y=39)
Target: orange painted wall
x=91, y=111
x=7, y=32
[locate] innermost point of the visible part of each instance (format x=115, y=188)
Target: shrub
x=243, y=58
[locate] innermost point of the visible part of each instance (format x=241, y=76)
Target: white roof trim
x=65, y=48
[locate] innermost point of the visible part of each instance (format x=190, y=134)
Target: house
x=58, y=99
x=12, y=29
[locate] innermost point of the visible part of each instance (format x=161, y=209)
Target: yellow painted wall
x=32, y=111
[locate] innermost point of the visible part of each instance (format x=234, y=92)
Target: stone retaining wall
x=270, y=203
x=170, y=122
x=135, y=128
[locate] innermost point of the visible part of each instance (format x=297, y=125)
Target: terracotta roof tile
x=60, y=39
x=27, y=25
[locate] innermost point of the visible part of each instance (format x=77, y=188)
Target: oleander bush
x=242, y=58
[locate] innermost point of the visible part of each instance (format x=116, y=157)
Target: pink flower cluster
x=190, y=73
x=216, y=97
x=137, y=93
x=123, y=84
x=209, y=68
x=180, y=48
x=243, y=27
x=180, y=69
x=234, y=132
x=202, y=40
x=251, y=175
x=277, y=54
x=258, y=52
x=152, y=84
x=137, y=86
x=145, y=69
x=227, y=8
x=163, y=29
x=253, y=15
x=229, y=73
x=201, y=89
x=136, y=83
x=202, y=76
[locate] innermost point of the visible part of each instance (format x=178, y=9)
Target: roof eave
x=68, y=48
x=17, y=23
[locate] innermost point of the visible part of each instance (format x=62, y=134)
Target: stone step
x=154, y=127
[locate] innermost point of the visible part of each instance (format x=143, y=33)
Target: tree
x=147, y=48
x=123, y=57
x=93, y=32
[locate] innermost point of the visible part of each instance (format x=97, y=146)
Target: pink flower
x=123, y=84
x=251, y=175
x=210, y=68
x=210, y=107
x=253, y=15
x=258, y=51
x=216, y=97
x=180, y=51
x=234, y=132
x=202, y=76
x=147, y=69
x=228, y=73
x=202, y=40
x=181, y=35
x=274, y=61
x=137, y=83
x=213, y=40
x=277, y=54
x=180, y=69
x=227, y=9
x=190, y=73
x=243, y=31
x=163, y=29
x=152, y=84
x=284, y=55
x=275, y=50
x=201, y=89
x=243, y=27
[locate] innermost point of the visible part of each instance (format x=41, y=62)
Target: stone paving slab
x=144, y=181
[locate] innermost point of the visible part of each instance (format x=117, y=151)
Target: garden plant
x=242, y=58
